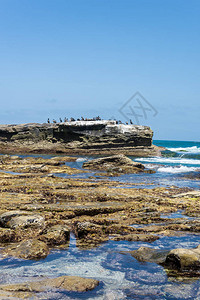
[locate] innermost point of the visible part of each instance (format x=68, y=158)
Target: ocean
x=179, y=166
x=122, y=276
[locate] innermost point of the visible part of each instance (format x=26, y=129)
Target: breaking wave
x=169, y=160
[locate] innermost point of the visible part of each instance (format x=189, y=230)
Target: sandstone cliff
x=78, y=137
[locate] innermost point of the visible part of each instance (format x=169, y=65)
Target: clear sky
x=89, y=57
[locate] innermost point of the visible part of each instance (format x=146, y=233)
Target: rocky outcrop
x=115, y=163
x=78, y=137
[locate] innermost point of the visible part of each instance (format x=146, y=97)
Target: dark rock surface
x=78, y=137
x=56, y=235
x=184, y=259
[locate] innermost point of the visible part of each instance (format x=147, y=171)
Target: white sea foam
x=177, y=169
x=193, y=149
x=169, y=160
x=81, y=159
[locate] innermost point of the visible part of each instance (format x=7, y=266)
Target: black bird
x=131, y=122
x=60, y=120
x=48, y=121
x=54, y=121
x=126, y=123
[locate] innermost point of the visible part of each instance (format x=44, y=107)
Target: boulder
x=26, y=221
x=27, y=249
x=56, y=235
x=146, y=254
x=69, y=283
x=116, y=163
x=184, y=259
x=15, y=219
x=183, y=262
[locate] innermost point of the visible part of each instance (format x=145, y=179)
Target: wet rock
x=177, y=262
x=82, y=229
x=56, y=235
x=89, y=235
x=69, y=283
x=136, y=237
x=28, y=249
x=116, y=163
x=146, y=254
x=7, y=235
x=184, y=259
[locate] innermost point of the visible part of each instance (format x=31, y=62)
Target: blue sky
x=88, y=57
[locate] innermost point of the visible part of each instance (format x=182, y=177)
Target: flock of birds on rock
x=83, y=119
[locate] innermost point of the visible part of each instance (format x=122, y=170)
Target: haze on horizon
x=88, y=58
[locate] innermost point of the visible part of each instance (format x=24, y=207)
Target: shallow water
x=121, y=276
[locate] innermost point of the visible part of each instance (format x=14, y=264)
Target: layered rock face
x=79, y=137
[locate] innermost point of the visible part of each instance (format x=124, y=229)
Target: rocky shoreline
x=39, y=210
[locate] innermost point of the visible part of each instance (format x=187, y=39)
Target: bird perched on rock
x=131, y=122
x=48, y=121
x=54, y=121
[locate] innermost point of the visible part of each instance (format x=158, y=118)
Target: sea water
x=122, y=276
x=179, y=166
